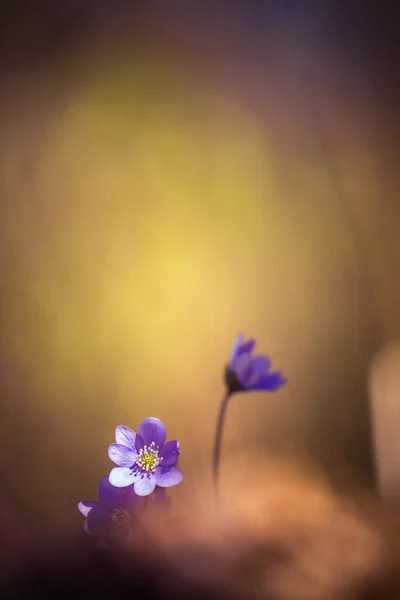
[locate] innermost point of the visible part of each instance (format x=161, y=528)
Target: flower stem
x=218, y=439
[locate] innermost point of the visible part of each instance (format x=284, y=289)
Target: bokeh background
x=173, y=173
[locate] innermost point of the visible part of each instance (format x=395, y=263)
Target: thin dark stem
x=218, y=439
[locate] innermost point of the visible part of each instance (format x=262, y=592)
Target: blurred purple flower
x=143, y=458
x=246, y=372
x=111, y=518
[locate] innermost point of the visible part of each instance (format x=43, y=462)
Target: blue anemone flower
x=246, y=372
x=112, y=517
x=144, y=459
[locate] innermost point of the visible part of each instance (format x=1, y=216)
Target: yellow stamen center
x=148, y=459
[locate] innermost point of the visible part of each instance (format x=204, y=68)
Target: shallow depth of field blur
x=164, y=186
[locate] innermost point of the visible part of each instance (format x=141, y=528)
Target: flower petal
x=122, y=455
x=253, y=381
x=169, y=453
x=125, y=436
x=145, y=485
x=261, y=364
x=243, y=368
x=246, y=347
x=122, y=477
x=98, y=520
x=168, y=476
x=270, y=382
x=153, y=430
x=235, y=348
x=86, y=506
x=86, y=528
x=109, y=495
x=139, y=444
x=259, y=369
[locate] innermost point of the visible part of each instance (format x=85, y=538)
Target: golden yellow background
x=150, y=213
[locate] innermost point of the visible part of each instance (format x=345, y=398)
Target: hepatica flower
x=144, y=459
x=113, y=516
x=246, y=372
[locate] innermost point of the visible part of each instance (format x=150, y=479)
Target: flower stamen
x=148, y=459
x=121, y=518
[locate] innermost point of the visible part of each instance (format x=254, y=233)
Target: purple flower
x=246, y=372
x=111, y=518
x=143, y=458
